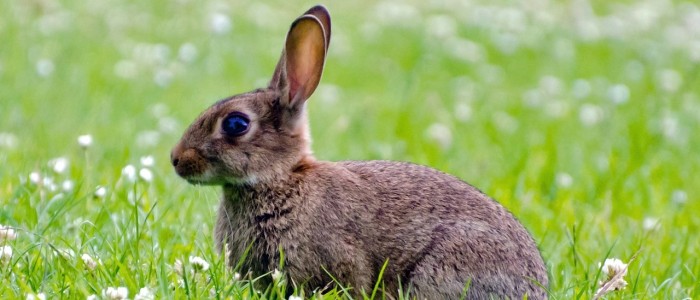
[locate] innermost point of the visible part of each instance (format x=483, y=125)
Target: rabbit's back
x=438, y=231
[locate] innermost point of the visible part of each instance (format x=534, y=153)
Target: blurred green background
x=581, y=117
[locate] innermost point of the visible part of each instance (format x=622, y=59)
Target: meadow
x=580, y=117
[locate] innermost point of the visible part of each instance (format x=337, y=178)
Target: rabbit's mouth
x=206, y=178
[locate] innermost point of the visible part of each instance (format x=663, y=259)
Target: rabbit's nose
x=174, y=156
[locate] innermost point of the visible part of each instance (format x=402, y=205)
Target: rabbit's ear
x=321, y=13
x=299, y=70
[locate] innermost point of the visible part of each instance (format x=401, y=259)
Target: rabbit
x=436, y=236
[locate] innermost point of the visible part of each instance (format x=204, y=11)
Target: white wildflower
x=463, y=111
x=44, y=67
x=199, y=264
x=117, y=293
x=146, y=174
x=619, y=93
x=396, y=12
x=650, y=223
x=8, y=140
x=100, y=192
x=5, y=253
x=59, y=165
x=505, y=122
x=329, y=93
x=670, y=126
x=276, y=275
x=144, y=294
x=220, y=23
x=90, y=263
x=85, y=140
x=92, y=297
x=441, y=26
x=293, y=297
x=187, y=52
x=236, y=276
x=148, y=138
x=35, y=177
x=177, y=267
x=590, y=114
x=163, y=77
x=670, y=80
x=67, y=185
x=581, y=88
x=67, y=254
x=39, y=296
x=550, y=85
x=48, y=183
x=564, y=180
x=159, y=110
x=7, y=233
x=126, y=69
x=441, y=134
x=679, y=197
x=147, y=161
x=614, y=271
x=129, y=172
x=168, y=124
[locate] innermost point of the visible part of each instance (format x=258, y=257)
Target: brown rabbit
x=438, y=233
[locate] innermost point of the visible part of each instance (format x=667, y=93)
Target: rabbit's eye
x=235, y=124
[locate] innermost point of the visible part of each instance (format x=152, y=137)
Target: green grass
x=583, y=126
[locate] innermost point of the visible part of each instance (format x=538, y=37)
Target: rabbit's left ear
x=321, y=13
x=299, y=70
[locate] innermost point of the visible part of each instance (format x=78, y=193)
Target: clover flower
x=39, y=296
x=100, y=192
x=90, y=263
x=147, y=161
x=276, y=275
x=5, y=253
x=199, y=264
x=7, y=233
x=85, y=140
x=129, y=172
x=144, y=294
x=177, y=267
x=146, y=174
x=115, y=293
x=59, y=164
x=614, y=271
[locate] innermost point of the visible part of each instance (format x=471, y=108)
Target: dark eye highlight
x=235, y=124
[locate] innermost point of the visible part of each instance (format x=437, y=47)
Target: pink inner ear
x=305, y=51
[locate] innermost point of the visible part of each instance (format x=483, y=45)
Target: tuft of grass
x=580, y=117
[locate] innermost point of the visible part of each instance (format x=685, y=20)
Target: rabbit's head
x=262, y=133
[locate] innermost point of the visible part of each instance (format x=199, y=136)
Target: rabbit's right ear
x=299, y=70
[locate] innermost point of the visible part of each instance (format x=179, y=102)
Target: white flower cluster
x=199, y=264
x=38, y=296
x=89, y=262
x=115, y=293
x=85, y=141
x=5, y=253
x=614, y=271
x=144, y=294
x=129, y=171
x=7, y=233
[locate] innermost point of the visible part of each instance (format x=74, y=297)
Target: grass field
x=582, y=118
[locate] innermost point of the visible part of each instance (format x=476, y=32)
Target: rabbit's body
x=437, y=233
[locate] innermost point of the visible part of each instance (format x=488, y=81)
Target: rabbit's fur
x=346, y=219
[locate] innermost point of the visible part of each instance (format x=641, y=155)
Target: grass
x=581, y=118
